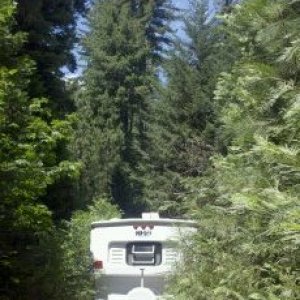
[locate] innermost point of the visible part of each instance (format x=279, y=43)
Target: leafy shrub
x=248, y=202
x=76, y=261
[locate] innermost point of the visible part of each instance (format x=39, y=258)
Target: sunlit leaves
x=253, y=191
x=75, y=257
x=29, y=137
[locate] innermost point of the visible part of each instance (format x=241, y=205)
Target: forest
x=107, y=110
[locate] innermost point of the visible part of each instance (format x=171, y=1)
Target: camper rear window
x=143, y=254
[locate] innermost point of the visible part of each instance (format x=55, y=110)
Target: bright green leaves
x=29, y=138
x=248, y=202
x=75, y=260
x=10, y=42
x=31, y=217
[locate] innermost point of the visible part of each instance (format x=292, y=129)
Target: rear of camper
x=132, y=257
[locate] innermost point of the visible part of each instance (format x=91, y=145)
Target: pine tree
x=186, y=130
x=114, y=103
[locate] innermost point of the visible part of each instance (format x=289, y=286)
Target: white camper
x=133, y=256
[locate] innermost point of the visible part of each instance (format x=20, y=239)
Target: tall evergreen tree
x=114, y=105
x=28, y=164
x=186, y=130
x=248, y=202
x=51, y=36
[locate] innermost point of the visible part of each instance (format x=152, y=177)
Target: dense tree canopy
x=28, y=162
x=185, y=129
x=50, y=26
x=51, y=35
x=114, y=106
x=214, y=138
x=248, y=201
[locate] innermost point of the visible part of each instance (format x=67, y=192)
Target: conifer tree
x=186, y=130
x=51, y=34
x=248, y=202
x=50, y=27
x=114, y=105
x=28, y=164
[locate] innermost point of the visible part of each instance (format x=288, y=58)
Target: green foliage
x=248, y=201
x=185, y=130
x=28, y=163
x=59, y=266
x=219, y=142
x=76, y=265
x=112, y=136
x=51, y=35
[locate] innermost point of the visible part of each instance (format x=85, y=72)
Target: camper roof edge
x=161, y=222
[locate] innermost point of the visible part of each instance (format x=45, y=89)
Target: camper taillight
x=98, y=264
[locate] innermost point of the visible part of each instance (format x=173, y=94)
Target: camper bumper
x=138, y=294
